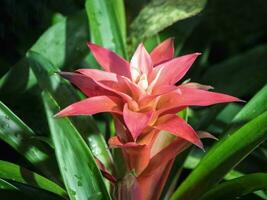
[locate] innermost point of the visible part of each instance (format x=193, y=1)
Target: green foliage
x=238, y=187
x=159, y=14
x=81, y=176
x=104, y=27
x=16, y=173
x=231, y=150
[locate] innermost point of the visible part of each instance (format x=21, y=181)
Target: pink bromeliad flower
x=143, y=99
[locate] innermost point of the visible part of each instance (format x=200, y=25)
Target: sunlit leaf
x=159, y=14
x=65, y=94
x=104, y=27
x=16, y=173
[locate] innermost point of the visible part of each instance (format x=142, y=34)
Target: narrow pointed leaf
x=16, y=173
x=119, y=8
x=80, y=173
x=6, y=185
x=231, y=150
x=64, y=94
x=19, y=136
x=238, y=187
x=256, y=106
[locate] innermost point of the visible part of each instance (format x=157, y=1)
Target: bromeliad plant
x=142, y=152
x=143, y=99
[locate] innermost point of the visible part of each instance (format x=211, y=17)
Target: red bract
x=143, y=99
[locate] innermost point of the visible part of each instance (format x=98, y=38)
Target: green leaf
x=6, y=185
x=81, y=176
x=226, y=154
x=256, y=106
x=64, y=43
x=64, y=94
x=237, y=187
x=159, y=14
x=10, y=82
x=16, y=173
x=118, y=6
x=19, y=136
x=104, y=26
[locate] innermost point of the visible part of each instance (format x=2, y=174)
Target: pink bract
x=143, y=99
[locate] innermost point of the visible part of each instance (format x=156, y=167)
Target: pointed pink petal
x=111, y=82
x=204, y=134
x=91, y=87
x=141, y=61
x=164, y=156
x=110, y=61
x=87, y=85
x=178, y=127
x=183, y=97
x=98, y=75
x=197, y=86
x=92, y=106
x=136, y=121
x=163, y=52
x=170, y=72
x=105, y=172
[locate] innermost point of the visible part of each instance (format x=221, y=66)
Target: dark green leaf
x=228, y=75
x=81, y=176
x=237, y=187
x=64, y=44
x=16, y=173
x=64, y=94
x=6, y=185
x=19, y=136
x=227, y=153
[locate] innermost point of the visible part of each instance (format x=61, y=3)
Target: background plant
x=230, y=34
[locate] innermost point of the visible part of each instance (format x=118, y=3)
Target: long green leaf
x=81, y=176
x=256, y=106
x=19, y=136
x=118, y=7
x=227, y=153
x=238, y=187
x=6, y=185
x=64, y=94
x=159, y=14
x=104, y=27
x=16, y=173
